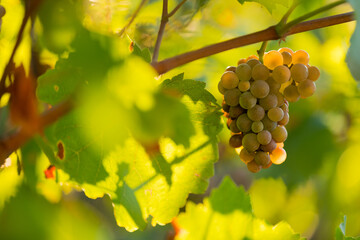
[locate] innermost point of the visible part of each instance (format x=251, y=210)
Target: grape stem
x=260, y=36
x=261, y=51
x=133, y=16
x=164, y=20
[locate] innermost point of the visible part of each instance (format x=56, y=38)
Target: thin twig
x=176, y=8
x=133, y=16
x=261, y=51
x=264, y=35
x=164, y=20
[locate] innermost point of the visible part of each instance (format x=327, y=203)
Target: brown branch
x=10, y=143
x=176, y=8
x=134, y=15
x=264, y=35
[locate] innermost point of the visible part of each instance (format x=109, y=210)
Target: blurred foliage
x=141, y=143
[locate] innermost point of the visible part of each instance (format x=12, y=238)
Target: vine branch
x=264, y=35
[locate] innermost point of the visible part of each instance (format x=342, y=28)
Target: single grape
x=243, y=72
x=275, y=114
x=2, y=11
x=260, y=72
x=257, y=126
x=242, y=60
x=246, y=156
x=229, y=80
x=262, y=158
x=221, y=89
x=268, y=124
x=306, y=88
x=264, y=137
x=272, y=59
x=285, y=120
x=280, y=99
x=233, y=126
x=235, y=111
x=281, y=74
x=230, y=69
x=299, y=72
x=256, y=113
x=247, y=100
x=253, y=167
x=286, y=49
x=269, y=147
x=252, y=57
x=278, y=156
x=243, y=123
x=287, y=57
x=232, y=96
x=300, y=56
x=235, y=141
x=274, y=85
x=259, y=89
x=314, y=73
x=291, y=93
x=279, y=134
x=252, y=62
x=225, y=107
x=244, y=86
x=250, y=142
x=268, y=102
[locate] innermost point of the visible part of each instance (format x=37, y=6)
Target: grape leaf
x=340, y=232
x=143, y=53
x=226, y=214
x=352, y=57
x=270, y=5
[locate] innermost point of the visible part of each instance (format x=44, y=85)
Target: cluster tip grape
x=256, y=103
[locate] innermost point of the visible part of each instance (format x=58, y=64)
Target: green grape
x=299, y=72
x=250, y=142
x=300, y=56
x=268, y=102
x=229, y=80
x=280, y=99
x=287, y=57
x=257, y=126
x=259, y=89
x=281, y=74
x=243, y=72
x=285, y=120
x=260, y=72
x=253, y=167
x=252, y=62
x=274, y=85
x=225, y=107
x=242, y=60
x=247, y=100
x=279, y=134
x=243, y=123
x=272, y=59
x=291, y=93
x=262, y=158
x=235, y=141
x=306, y=88
x=286, y=49
x=256, y=113
x=230, y=69
x=314, y=73
x=246, y=156
x=2, y=12
x=233, y=126
x=244, y=86
x=235, y=111
x=264, y=137
x=221, y=89
x=271, y=146
x=268, y=124
x=275, y=114
x=232, y=96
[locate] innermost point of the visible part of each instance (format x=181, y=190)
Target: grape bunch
x=256, y=103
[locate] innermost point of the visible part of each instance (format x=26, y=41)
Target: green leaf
x=352, y=57
x=226, y=214
x=143, y=53
x=270, y=5
x=340, y=232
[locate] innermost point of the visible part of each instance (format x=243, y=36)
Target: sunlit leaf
x=270, y=5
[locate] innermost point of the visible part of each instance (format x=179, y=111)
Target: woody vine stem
x=9, y=144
